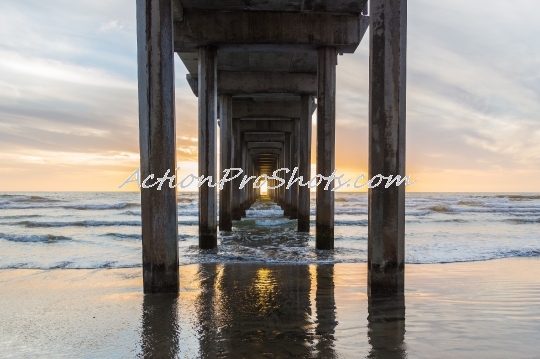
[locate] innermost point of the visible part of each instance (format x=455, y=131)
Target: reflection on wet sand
x=386, y=327
x=326, y=311
x=249, y=311
x=160, y=332
x=264, y=311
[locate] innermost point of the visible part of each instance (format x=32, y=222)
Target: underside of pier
x=260, y=70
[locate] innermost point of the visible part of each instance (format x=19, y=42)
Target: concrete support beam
x=262, y=136
x=246, y=83
x=157, y=139
x=266, y=109
x=259, y=144
x=287, y=164
x=386, y=213
x=178, y=10
x=264, y=151
x=207, y=146
x=266, y=126
x=294, y=163
x=237, y=163
x=311, y=30
x=226, y=139
x=364, y=24
x=304, y=162
x=326, y=133
x=244, y=166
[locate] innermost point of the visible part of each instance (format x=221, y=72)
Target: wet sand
x=258, y=310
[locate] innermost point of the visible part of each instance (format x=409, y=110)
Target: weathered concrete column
x=277, y=191
x=386, y=213
x=294, y=163
x=282, y=188
x=304, y=163
x=237, y=163
x=247, y=192
x=287, y=194
x=157, y=139
x=207, y=145
x=326, y=139
x=225, y=121
x=243, y=190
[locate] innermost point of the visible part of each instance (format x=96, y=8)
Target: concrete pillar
x=294, y=163
x=386, y=211
x=243, y=190
x=237, y=163
x=207, y=146
x=282, y=187
x=326, y=133
x=304, y=163
x=225, y=120
x=247, y=192
x=157, y=136
x=287, y=164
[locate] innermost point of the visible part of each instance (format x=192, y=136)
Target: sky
x=69, y=113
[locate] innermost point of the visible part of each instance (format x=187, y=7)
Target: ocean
x=52, y=230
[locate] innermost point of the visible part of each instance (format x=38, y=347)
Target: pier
x=260, y=70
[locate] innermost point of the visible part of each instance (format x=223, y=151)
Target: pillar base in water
x=207, y=240
x=160, y=278
x=303, y=225
x=386, y=280
x=324, y=238
x=226, y=225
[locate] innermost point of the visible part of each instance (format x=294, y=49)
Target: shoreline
x=483, y=309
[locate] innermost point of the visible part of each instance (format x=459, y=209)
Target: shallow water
x=102, y=230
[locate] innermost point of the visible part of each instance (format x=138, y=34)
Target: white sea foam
x=102, y=230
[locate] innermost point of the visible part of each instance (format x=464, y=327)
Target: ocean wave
x=418, y=213
x=20, y=216
x=440, y=209
x=288, y=255
x=26, y=199
x=518, y=197
x=97, y=206
x=355, y=200
x=188, y=222
x=47, y=238
x=351, y=222
x=478, y=257
x=469, y=203
x=272, y=222
x=123, y=236
x=349, y=211
x=186, y=200
x=71, y=265
x=454, y=220
x=523, y=220
x=87, y=223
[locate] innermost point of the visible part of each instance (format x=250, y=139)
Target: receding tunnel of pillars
x=261, y=137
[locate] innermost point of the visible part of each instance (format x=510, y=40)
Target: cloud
x=112, y=25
